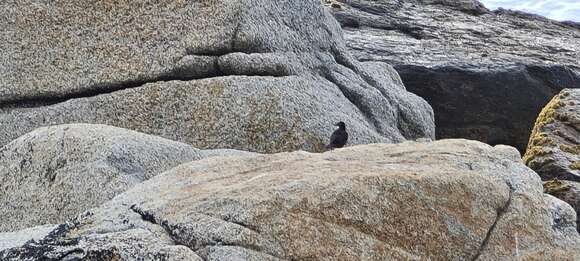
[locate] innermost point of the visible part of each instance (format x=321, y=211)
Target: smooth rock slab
x=54, y=173
x=451, y=199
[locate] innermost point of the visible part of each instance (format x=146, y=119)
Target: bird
x=339, y=137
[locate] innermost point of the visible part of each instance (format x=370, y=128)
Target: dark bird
x=339, y=137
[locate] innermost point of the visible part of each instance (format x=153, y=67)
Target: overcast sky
x=554, y=9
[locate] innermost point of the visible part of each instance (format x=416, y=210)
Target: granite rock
x=55, y=173
x=264, y=76
x=450, y=199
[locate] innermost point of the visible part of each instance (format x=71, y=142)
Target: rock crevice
x=499, y=214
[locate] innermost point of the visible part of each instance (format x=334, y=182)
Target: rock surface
x=487, y=74
x=554, y=147
x=19, y=238
x=55, y=173
x=263, y=75
x=451, y=199
x=567, y=191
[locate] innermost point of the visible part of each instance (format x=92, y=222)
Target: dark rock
x=496, y=106
x=486, y=74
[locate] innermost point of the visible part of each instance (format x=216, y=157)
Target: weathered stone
x=54, y=173
x=19, y=238
x=486, y=74
x=508, y=152
x=264, y=76
x=567, y=191
x=451, y=199
x=135, y=244
x=554, y=147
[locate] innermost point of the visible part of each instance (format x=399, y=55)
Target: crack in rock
x=500, y=213
x=188, y=71
x=202, y=249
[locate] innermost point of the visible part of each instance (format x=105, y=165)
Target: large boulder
x=55, y=173
x=487, y=74
x=451, y=199
x=554, y=147
x=263, y=75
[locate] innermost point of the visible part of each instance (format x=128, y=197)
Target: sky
x=555, y=9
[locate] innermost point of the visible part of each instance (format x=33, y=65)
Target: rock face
x=261, y=75
x=567, y=191
x=54, y=173
x=451, y=199
x=486, y=74
x=554, y=148
x=19, y=238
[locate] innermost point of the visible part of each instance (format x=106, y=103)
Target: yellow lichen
x=332, y=4
x=573, y=149
x=575, y=165
x=555, y=186
x=539, y=139
x=542, y=139
x=548, y=114
x=534, y=152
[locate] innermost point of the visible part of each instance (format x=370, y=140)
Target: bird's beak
x=336, y=124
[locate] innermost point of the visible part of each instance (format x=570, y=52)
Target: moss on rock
x=554, y=147
x=575, y=165
x=555, y=186
x=573, y=149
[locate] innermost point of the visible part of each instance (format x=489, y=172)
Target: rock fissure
x=146, y=216
x=149, y=217
x=198, y=249
x=184, y=73
x=35, y=102
x=499, y=214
